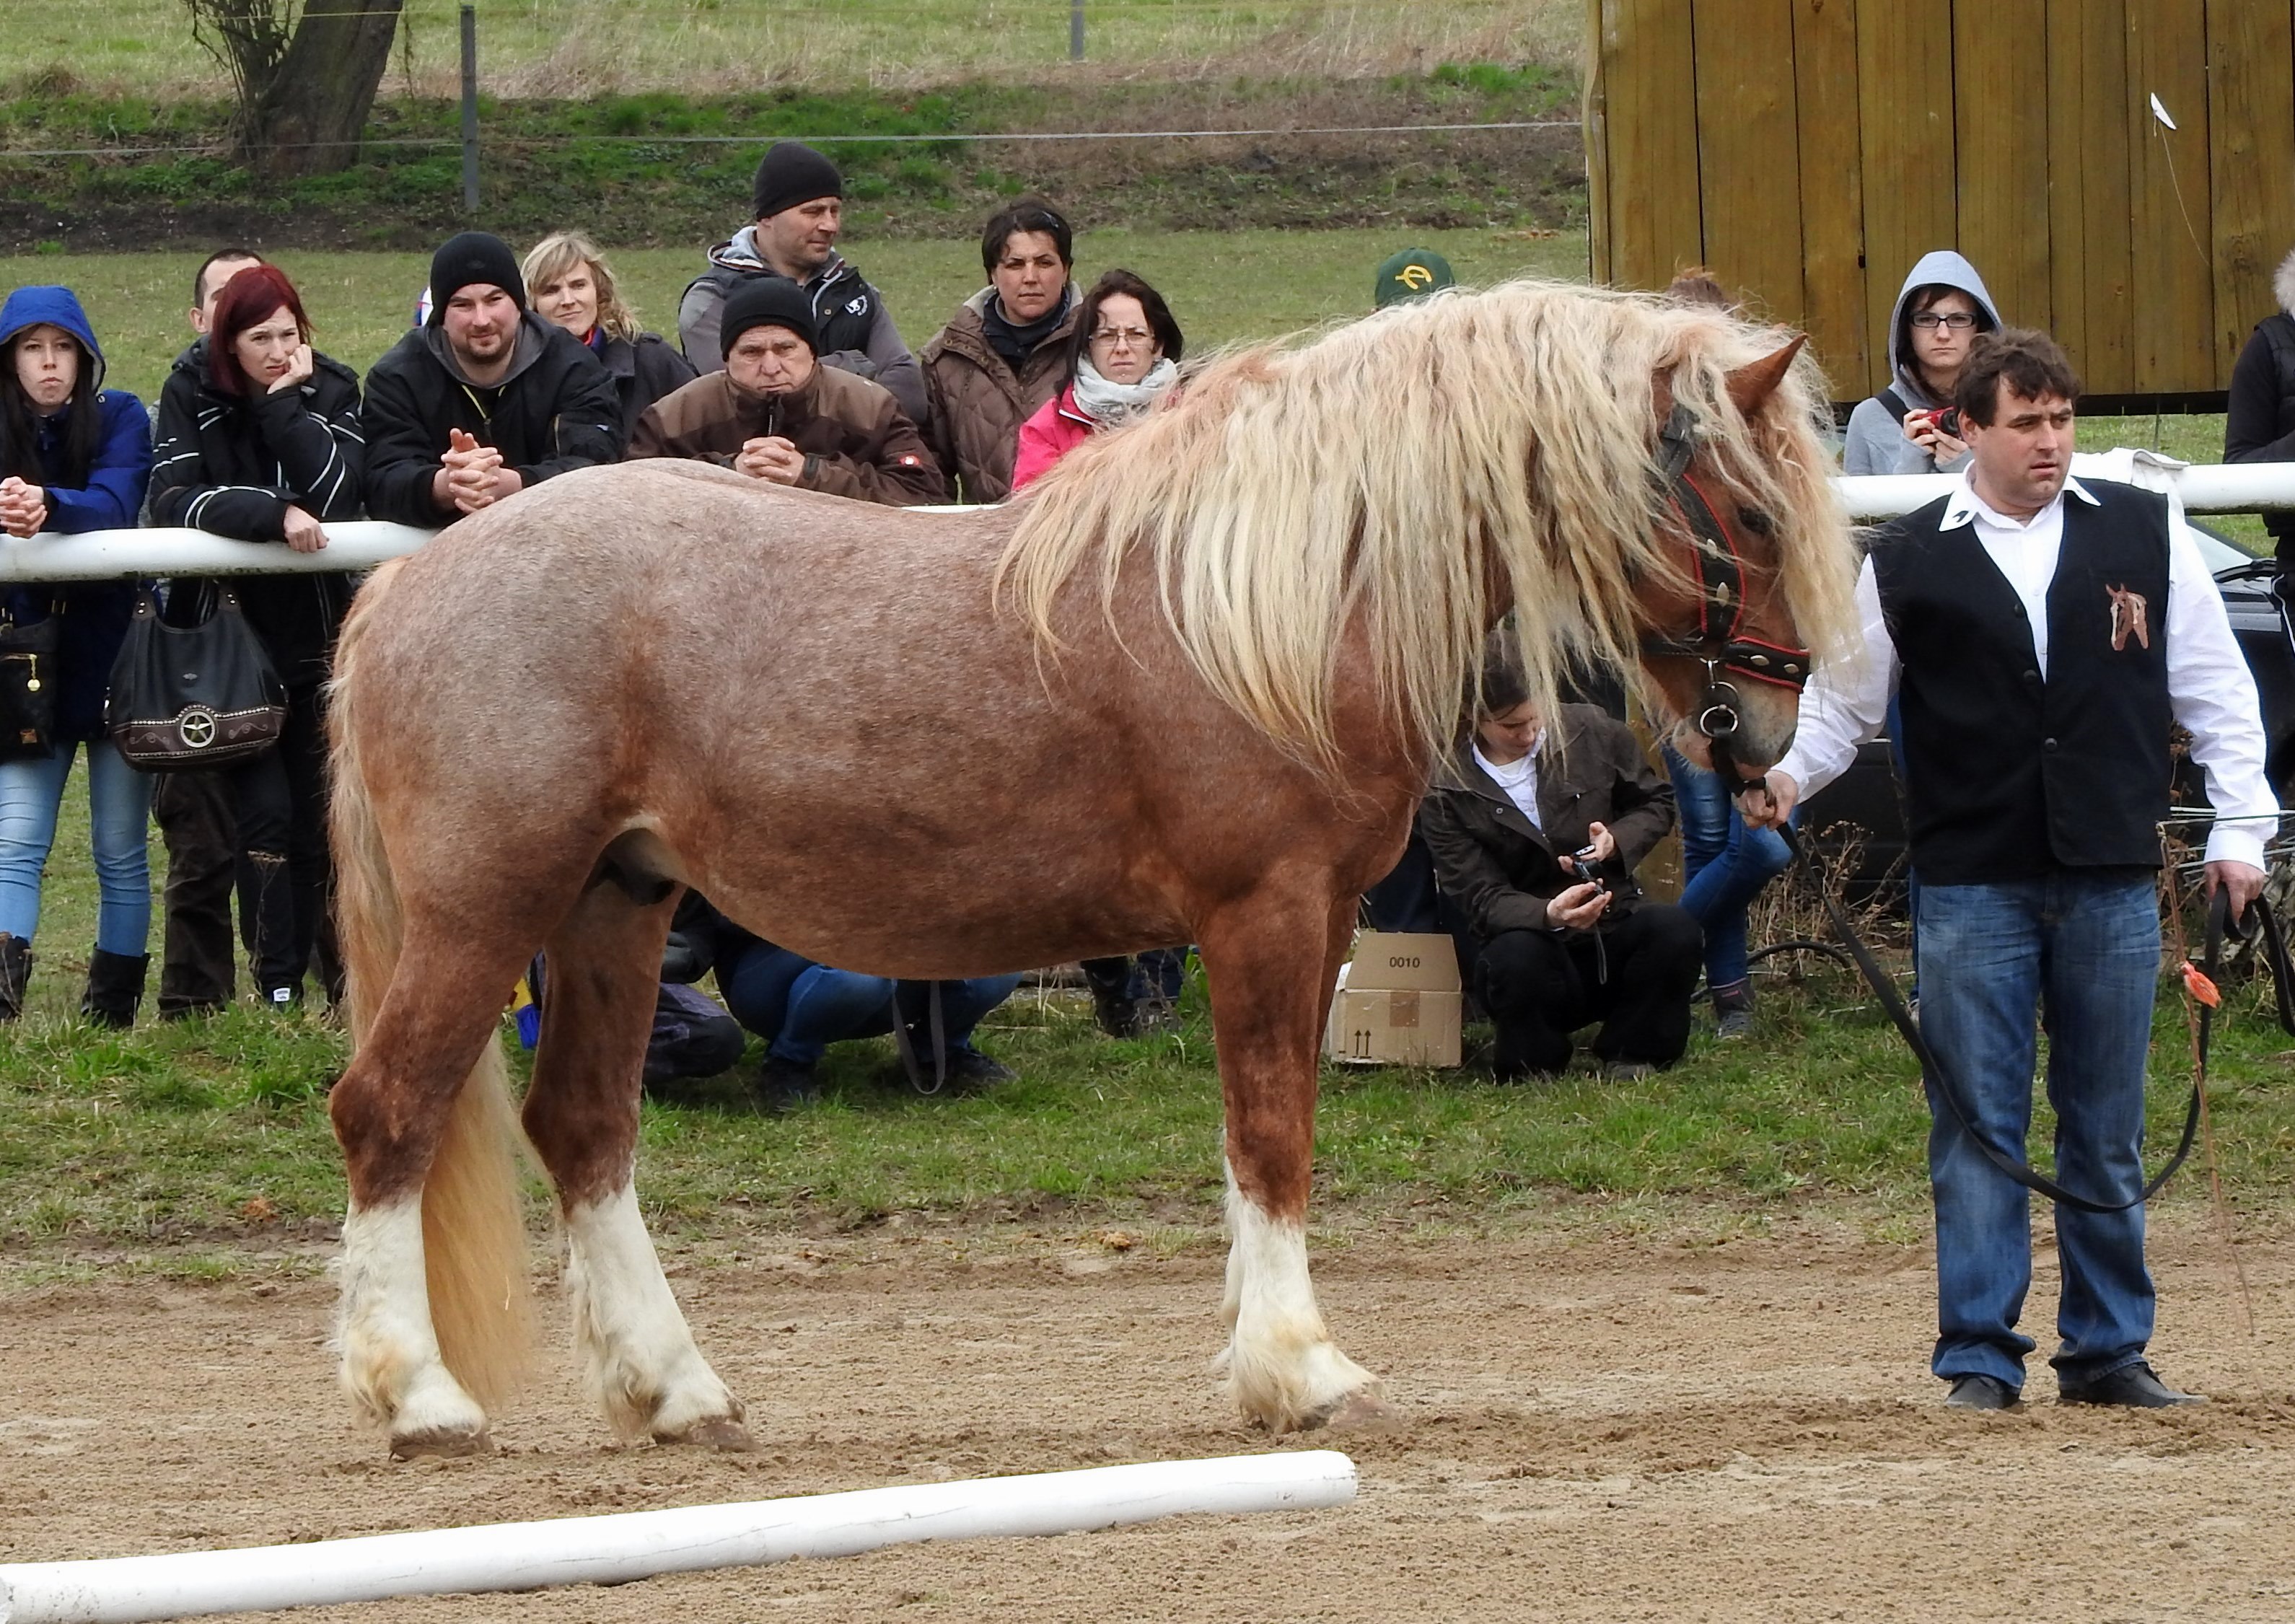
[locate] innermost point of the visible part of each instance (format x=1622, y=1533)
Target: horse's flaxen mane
x=1290, y=489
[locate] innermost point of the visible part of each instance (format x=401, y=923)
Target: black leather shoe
x=1974, y=1391
x=2130, y=1387
x=787, y=1085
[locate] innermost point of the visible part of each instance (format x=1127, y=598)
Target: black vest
x=2006, y=775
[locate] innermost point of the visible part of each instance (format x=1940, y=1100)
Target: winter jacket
x=1057, y=430
x=96, y=613
x=1875, y=441
x=1498, y=871
x=233, y=464
x=979, y=402
x=857, y=441
x=2260, y=418
x=644, y=371
x=857, y=334
x=556, y=411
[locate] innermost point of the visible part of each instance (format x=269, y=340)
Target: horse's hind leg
x=1270, y=986
x=603, y=965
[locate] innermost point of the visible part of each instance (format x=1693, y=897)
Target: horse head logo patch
x=2130, y=617
x=196, y=727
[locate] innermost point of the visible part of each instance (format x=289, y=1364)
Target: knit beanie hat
x=768, y=301
x=790, y=174
x=473, y=258
x=1413, y=273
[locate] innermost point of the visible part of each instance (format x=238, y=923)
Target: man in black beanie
x=485, y=398
x=798, y=200
x=775, y=412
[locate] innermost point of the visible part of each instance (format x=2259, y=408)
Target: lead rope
x=2200, y=997
x=1940, y=1081
x=907, y=1045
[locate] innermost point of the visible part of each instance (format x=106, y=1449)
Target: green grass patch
x=587, y=47
x=1224, y=286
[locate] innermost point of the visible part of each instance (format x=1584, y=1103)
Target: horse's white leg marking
x=391, y=1366
x=636, y=1352
x=1285, y=1370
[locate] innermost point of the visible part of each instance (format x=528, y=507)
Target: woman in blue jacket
x=74, y=456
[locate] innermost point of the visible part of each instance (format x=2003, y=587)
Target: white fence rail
x=105, y=555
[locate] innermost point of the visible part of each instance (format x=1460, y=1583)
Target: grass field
x=1223, y=286
x=569, y=47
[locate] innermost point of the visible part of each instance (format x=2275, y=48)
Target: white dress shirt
x=2210, y=688
x=1519, y=779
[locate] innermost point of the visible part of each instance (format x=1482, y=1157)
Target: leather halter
x=1718, y=642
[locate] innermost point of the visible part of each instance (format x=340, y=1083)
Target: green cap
x=1413, y=273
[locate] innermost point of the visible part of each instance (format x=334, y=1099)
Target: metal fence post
x=471, y=109
x=1076, y=30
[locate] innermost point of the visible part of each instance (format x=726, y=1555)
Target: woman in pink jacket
x=1125, y=358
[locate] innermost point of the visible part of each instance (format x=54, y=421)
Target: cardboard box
x=1397, y=1002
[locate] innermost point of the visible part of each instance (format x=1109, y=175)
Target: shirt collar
x=1964, y=505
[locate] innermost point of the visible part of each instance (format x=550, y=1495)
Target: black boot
x=15, y=972
x=115, y=986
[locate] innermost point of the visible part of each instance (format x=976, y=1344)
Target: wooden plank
x=2172, y=288
x=2002, y=148
x=2251, y=172
x=1831, y=195
x=1748, y=162
x=1905, y=149
x=1594, y=123
x=1650, y=97
x=2087, y=190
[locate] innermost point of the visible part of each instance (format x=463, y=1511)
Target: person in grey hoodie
x=799, y=202
x=1941, y=308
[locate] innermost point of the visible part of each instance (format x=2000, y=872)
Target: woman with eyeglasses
x=1909, y=427
x=1122, y=360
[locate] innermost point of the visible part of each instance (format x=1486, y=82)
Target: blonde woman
x=570, y=285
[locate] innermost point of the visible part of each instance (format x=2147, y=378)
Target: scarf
x=1015, y=342
x=1109, y=405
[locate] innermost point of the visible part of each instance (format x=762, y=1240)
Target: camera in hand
x=1582, y=863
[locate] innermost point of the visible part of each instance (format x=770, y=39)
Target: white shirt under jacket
x=2209, y=687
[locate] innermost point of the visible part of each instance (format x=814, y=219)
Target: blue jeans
x=800, y=1007
x=119, y=810
x=2081, y=951
x=1723, y=863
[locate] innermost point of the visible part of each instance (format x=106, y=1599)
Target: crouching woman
x=1520, y=806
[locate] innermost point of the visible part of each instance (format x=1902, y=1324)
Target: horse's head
x=1718, y=637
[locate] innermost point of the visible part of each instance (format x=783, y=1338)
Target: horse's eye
x=1755, y=520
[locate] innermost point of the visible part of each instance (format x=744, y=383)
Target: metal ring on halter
x=1727, y=728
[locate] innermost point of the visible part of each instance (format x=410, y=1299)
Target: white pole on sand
x=641, y=1545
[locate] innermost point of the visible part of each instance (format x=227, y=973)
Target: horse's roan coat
x=1189, y=692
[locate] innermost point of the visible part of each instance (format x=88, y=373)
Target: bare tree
x=305, y=71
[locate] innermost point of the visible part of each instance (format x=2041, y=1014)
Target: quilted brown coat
x=979, y=402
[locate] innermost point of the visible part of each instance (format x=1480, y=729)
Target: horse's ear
x=1754, y=383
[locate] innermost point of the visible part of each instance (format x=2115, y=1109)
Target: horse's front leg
x=1271, y=960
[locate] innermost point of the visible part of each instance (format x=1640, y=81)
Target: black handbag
x=193, y=698
x=28, y=687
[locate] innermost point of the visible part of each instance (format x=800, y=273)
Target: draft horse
x=1188, y=690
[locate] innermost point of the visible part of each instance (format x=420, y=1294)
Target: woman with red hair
x=259, y=440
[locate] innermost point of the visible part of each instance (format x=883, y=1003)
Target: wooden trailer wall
x=1810, y=151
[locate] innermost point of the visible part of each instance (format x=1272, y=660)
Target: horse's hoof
x=1360, y=1410
x=719, y=1432
x=440, y=1442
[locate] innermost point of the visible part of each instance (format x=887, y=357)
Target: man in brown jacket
x=1517, y=822
x=775, y=412
x=1005, y=351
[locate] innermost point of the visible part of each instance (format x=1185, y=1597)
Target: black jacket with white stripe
x=233, y=465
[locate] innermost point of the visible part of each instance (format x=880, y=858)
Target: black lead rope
x=1940, y=1081
x=904, y=1042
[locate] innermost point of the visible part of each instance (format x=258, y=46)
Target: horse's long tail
x=473, y=1229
